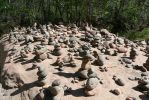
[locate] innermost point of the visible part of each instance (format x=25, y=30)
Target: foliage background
x=126, y=17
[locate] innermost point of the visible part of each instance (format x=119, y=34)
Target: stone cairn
x=69, y=59
x=57, y=50
x=133, y=54
x=56, y=90
x=85, y=66
x=91, y=86
x=42, y=76
x=40, y=53
x=99, y=61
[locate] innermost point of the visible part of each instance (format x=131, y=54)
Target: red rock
x=122, y=50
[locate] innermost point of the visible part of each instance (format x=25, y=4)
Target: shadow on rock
x=25, y=87
x=22, y=61
x=28, y=61
x=44, y=95
x=29, y=69
x=144, y=97
x=136, y=88
x=67, y=75
x=18, y=59
x=78, y=92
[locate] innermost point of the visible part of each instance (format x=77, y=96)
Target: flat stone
x=122, y=50
x=127, y=61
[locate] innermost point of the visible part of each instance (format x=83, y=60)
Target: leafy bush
x=119, y=16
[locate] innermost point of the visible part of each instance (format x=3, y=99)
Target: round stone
x=92, y=83
x=100, y=60
x=42, y=82
x=49, y=56
x=57, y=52
x=43, y=56
x=92, y=92
x=41, y=95
x=55, y=90
x=112, y=45
x=83, y=74
x=117, y=91
x=56, y=82
x=120, y=82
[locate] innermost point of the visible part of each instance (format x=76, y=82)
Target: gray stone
x=40, y=51
x=92, y=83
x=106, y=45
x=83, y=74
x=127, y=61
x=120, y=82
x=129, y=66
x=133, y=53
x=99, y=59
x=43, y=56
x=56, y=90
x=109, y=52
x=49, y=56
x=29, y=38
x=147, y=87
x=42, y=75
x=104, y=32
x=120, y=41
x=117, y=91
x=56, y=82
x=57, y=50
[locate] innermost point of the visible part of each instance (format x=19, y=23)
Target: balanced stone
x=133, y=53
x=127, y=61
x=57, y=50
x=92, y=83
x=117, y=91
x=99, y=59
x=56, y=90
x=83, y=74
x=91, y=87
x=42, y=75
x=29, y=38
x=120, y=82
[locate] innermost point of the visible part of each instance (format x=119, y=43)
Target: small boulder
x=120, y=82
x=116, y=91
x=122, y=50
x=92, y=83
